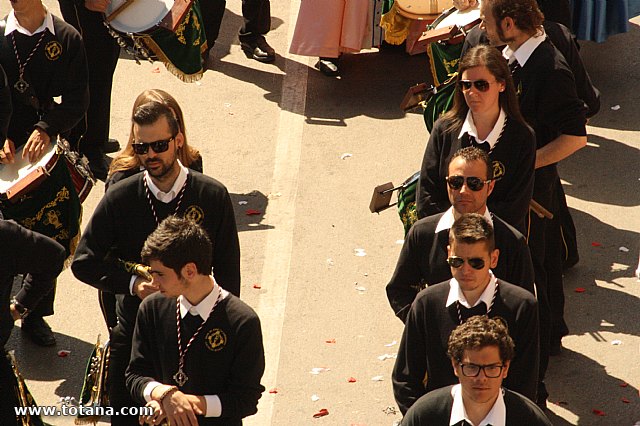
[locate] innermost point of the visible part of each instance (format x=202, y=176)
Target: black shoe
x=38, y=331
x=112, y=145
x=258, y=49
x=99, y=166
x=328, y=67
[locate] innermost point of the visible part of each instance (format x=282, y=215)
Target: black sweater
x=423, y=261
x=231, y=368
x=423, y=349
x=58, y=68
x=513, y=159
x=122, y=221
x=434, y=409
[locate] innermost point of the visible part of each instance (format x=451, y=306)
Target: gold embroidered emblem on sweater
x=53, y=50
x=215, y=340
x=498, y=169
x=194, y=214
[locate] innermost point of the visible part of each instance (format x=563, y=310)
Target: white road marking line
x=281, y=215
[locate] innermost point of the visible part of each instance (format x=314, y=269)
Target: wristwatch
x=19, y=307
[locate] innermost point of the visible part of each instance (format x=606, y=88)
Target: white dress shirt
x=496, y=417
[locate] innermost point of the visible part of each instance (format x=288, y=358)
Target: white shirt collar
x=469, y=127
x=203, y=308
x=167, y=197
x=523, y=53
x=447, y=219
x=496, y=417
x=14, y=25
x=456, y=294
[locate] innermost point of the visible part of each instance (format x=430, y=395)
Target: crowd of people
x=478, y=284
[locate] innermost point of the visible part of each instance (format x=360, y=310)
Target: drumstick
x=539, y=210
x=118, y=10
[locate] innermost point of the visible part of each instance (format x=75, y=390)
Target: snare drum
x=422, y=9
x=20, y=178
x=407, y=201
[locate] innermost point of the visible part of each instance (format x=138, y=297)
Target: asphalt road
x=276, y=135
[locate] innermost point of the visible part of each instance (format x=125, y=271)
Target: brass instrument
x=25, y=398
x=94, y=389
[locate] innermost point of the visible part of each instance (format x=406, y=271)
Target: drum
x=422, y=9
x=407, y=201
x=440, y=102
x=165, y=30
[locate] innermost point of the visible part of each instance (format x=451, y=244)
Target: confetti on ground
x=625, y=400
x=315, y=398
x=155, y=70
x=615, y=108
x=63, y=353
x=624, y=249
x=596, y=244
x=330, y=341
x=243, y=203
x=360, y=252
x=580, y=290
x=388, y=345
x=399, y=242
x=387, y=356
x=318, y=370
x=390, y=410
x=360, y=288
x=227, y=104
x=616, y=342
x=252, y=212
x=377, y=378
x=351, y=380
x=257, y=286
x=274, y=195
x=345, y=156
x=624, y=384
x=598, y=412
x=323, y=412
x=562, y=403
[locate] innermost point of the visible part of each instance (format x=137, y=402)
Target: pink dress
x=326, y=28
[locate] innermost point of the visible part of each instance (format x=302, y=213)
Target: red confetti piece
x=562, y=403
x=252, y=212
x=63, y=353
x=351, y=380
x=323, y=412
x=330, y=341
x=596, y=244
x=598, y=412
x=155, y=70
x=625, y=400
x=258, y=286
x=624, y=384
x=580, y=290
x=274, y=390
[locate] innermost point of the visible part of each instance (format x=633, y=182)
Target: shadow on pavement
x=603, y=174
x=249, y=215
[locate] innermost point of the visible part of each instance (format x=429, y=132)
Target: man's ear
x=507, y=24
x=189, y=271
x=505, y=369
x=454, y=365
x=495, y=254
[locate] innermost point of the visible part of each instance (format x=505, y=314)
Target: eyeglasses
x=457, y=262
x=491, y=371
x=473, y=183
x=481, y=85
x=158, y=147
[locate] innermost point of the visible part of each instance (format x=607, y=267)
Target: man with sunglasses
x=108, y=255
x=480, y=351
x=422, y=364
x=423, y=259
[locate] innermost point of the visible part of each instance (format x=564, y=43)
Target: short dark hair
x=473, y=153
x=471, y=228
x=150, y=112
x=525, y=13
x=479, y=332
x=176, y=242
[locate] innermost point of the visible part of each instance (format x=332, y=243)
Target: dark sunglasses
x=158, y=147
x=473, y=183
x=457, y=262
x=481, y=85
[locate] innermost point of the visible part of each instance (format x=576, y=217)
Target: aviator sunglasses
x=457, y=262
x=473, y=183
x=480, y=85
x=158, y=147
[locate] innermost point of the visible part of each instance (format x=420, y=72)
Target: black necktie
x=190, y=324
x=514, y=66
x=466, y=313
x=483, y=146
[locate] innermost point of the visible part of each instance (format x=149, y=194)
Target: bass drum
x=440, y=102
x=407, y=201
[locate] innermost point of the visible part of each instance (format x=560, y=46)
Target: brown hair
x=479, y=332
x=127, y=159
x=473, y=153
x=491, y=58
x=471, y=228
x=526, y=14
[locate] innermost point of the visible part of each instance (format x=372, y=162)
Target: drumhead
x=461, y=18
x=422, y=7
x=10, y=174
x=140, y=15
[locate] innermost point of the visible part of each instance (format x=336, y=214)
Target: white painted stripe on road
x=281, y=215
